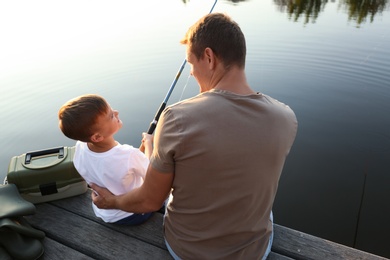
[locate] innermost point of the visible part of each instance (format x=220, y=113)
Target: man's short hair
x=220, y=33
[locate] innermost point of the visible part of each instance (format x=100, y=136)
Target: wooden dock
x=73, y=232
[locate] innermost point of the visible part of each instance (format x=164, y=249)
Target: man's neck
x=235, y=81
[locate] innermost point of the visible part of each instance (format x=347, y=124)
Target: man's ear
x=210, y=57
x=95, y=138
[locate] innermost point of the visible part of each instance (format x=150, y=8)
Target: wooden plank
x=150, y=231
x=91, y=238
x=276, y=256
x=74, y=232
x=55, y=250
x=299, y=245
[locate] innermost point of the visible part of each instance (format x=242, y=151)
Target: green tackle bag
x=46, y=175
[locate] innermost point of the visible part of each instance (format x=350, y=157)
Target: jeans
x=134, y=219
x=267, y=251
x=271, y=238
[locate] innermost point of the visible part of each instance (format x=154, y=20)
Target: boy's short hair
x=78, y=116
x=220, y=33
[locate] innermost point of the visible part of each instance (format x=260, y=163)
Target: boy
x=99, y=158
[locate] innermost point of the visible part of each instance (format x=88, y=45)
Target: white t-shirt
x=120, y=170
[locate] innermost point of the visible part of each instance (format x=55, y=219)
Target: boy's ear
x=96, y=138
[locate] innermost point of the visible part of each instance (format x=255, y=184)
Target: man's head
x=220, y=33
x=86, y=116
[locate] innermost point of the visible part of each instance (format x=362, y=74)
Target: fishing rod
x=153, y=124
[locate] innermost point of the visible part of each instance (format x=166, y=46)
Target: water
x=328, y=60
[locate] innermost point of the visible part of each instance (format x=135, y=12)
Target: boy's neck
x=101, y=147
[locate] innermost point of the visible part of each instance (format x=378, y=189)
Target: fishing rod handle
x=153, y=124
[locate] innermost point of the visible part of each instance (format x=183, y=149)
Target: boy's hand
x=142, y=147
x=147, y=138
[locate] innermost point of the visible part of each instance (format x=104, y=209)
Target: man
x=220, y=154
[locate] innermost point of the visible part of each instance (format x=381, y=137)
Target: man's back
x=228, y=152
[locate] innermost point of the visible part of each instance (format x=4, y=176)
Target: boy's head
x=82, y=117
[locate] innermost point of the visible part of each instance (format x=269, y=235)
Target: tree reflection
x=358, y=10
x=307, y=8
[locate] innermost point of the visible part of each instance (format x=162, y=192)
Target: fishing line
x=185, y=86
x=153, y=124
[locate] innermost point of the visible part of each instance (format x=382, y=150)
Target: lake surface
x=328, y=60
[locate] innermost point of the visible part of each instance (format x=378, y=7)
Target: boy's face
x=109, y=123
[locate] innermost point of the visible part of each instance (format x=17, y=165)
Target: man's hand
x=149, y=197
x=102, y=197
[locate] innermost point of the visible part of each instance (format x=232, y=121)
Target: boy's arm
x=142, y=148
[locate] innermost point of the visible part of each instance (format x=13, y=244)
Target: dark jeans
x=134, y=219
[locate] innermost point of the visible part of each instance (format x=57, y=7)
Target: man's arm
x=147, y=198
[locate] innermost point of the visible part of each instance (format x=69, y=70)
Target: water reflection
x=358, y=10
x=307, y=8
